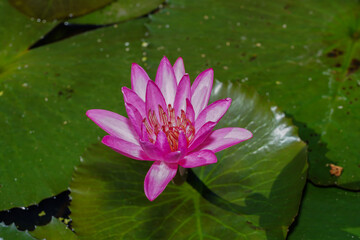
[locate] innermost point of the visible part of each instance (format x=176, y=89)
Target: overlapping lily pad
x=328, y=213
x=17, y=33
x=303, y=55
x=252, y=192
x=119, y=10
x=55, y=230
x=52, y=10
x=85, y=11
x=11, y=232
x=44, y=94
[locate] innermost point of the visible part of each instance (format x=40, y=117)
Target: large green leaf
x=43, y=102
x=252, y=192
x=119, y=10
x=60, y=9
x=10, y=232
x=328, y=213
x=303, y=55
x=55, y=230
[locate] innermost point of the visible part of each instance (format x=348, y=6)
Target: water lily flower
x=170, y=123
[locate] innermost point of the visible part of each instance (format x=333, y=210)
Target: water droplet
x=144, y=44
x=284, y=26
x=127, y=44
x=206, y=17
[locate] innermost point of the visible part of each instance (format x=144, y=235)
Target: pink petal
x=182, y=93
x=201, y=90
x=157, y=178
x=125, y=148
x=212, y=113
x=202, y=134
x=166, y=81
x=114, y=124
x=135, y=118
x=197, y=159
x=179, y=69
x=182, y=146
x=154, y=98
x=190, y=114
x=174, y=157
x=225, y=137
x=153, y=152
x=131, y=97
x=160, y=150
x=162, y=143
x=139, y=79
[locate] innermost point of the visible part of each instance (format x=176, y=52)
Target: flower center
x=171, y=125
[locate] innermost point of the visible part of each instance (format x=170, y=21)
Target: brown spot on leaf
x=253, y=57
x=335, y=53
x=354, y=66
x=335, y=170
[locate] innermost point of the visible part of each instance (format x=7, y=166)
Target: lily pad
x=55, y=230
x=17, y=33
x=328, y=213
x=253, y=192
x=302, y=55
x=119, y=10
x=44, y=95
x=85, y=11
x=57, y=10
x=11, y=232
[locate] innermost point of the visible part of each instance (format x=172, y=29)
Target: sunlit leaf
x=252, y=192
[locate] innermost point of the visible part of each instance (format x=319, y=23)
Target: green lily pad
x=53, y=10
x=55, y=230
x=252, y=192
x=302, y=55
x=43, y=100
x=11, y=232
x=328, y=213
x=17, y=33
x=119, y=10
x=85, y=11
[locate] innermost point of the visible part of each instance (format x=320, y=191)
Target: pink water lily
x=170, y=123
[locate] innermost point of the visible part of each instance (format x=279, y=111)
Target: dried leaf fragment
x=335, y=170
